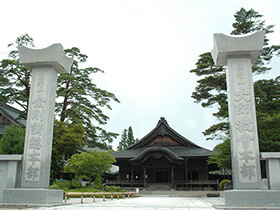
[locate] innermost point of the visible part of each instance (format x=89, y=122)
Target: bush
x=54, y=186
x=60, y=181
x=61, y=184
x=113, y=188
x=223, y=183
x=64, y=185
x=75, y=184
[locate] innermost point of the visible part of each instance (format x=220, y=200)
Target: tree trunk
x=65, y=104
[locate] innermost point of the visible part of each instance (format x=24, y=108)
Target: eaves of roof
x=182, y=152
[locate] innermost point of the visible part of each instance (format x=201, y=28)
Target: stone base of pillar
x=27, y=196
x=252, y=198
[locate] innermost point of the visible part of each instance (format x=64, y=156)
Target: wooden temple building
x=164, y=159
x=9, y=115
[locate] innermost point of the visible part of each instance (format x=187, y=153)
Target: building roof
x=177, y=147
x=163, y=129
x=178, y=151
x=13, y=115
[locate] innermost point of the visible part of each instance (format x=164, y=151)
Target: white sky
x=145, y=47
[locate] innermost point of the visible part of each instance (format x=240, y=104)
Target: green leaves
x=82, y=101
x=92, y=164
x=211, y=89
x=127, y=139
x=221, y=155
x=12, y=141
x=267, y=93
x=68, y=139
x=79, y=100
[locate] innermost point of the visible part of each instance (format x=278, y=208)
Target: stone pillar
x=9, y=172
x=239, y=53
x=44, y=65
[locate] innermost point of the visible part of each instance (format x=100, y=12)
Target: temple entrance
x=161, y=176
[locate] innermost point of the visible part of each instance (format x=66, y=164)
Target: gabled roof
x=12, y=115
x=182, y=148
x=145, y=154
x=163, y=129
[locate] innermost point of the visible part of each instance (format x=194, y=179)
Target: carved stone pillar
x=44, y=65
x=239, y=53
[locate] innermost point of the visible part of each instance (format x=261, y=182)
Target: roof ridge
x=162, y=128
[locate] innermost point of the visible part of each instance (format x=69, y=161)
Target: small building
x=9, y=115
x=164, y=159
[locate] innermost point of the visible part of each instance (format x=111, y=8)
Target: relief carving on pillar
x=244, y=123
x=33, y=163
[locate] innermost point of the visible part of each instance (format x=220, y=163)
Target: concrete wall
x=10, y=170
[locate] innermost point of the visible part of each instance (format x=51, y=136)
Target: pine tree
x=123, y=142
x=130, y=137
x=127, y=139
x=79, y=100
x=211, y=89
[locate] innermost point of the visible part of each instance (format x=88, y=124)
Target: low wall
x=10, y=169
x=272, y=169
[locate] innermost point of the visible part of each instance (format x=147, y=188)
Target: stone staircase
x=171, y=193
x=159, y=186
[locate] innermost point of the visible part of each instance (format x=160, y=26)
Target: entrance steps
x=172, y=193
x=159, y=186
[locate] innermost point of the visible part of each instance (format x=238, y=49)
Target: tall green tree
x=267, y=94
x=79, y=100
x=82, y=100
x=14, y=77
x=122, y=143
x=221, y=155
x=211, y=88
x=127, y=139
x=267, y=97
x=12, y=141
x=212, y=91
x=68, y=139
x=92, y=164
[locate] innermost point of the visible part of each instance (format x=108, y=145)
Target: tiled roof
x=186, y=148
x=182, y=152
x=12, y=114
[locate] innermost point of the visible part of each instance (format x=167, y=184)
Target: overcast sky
x=145, y=47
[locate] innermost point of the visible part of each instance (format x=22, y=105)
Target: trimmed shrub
x=54, y=186
x=64, y=185
x=223, y=183
x=113, y=188
x=75, y=184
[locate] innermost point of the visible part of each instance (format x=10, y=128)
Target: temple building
x=10, y=115
x=164, y=159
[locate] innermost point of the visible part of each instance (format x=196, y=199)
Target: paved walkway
x=140, y=203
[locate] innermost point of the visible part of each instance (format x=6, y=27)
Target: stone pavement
x=140, y=203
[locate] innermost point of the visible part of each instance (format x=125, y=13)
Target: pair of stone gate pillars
x=30, y=184
x=238, y=53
